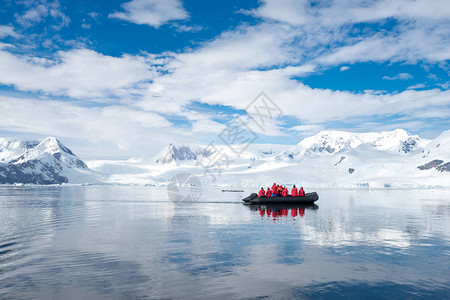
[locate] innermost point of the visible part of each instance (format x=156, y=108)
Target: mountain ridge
x=346, y=159
x=332, y=142
x=44, y=162
x=329, y=158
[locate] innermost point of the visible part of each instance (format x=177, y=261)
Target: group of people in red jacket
x=280, y=191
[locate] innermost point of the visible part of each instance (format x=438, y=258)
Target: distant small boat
x=309, y=198
x=232, y=191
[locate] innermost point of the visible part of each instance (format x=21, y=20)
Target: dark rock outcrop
x=182, y=153
x=432, y=164
x=11, y=173
x=340, y=160
x=444, y=167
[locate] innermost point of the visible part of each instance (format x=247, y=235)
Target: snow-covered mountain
x=11, y=148
x=436, y=154
x=198, y=154
x=328, y=159
x=45, y=162
x=176, y=154
x=333, y=142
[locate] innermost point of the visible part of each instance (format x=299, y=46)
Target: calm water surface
x=133, y=243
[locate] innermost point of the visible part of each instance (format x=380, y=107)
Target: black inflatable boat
x=278, y=206
x=309, y=198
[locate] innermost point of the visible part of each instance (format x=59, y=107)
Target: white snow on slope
x=49, y=149
x=11, y=148
x=48, y=161
x=332, y=142
x=438, y=148
x=328, y=159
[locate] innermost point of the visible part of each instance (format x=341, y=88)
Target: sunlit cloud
x=151, y=12
x=400, y=76
x=287, y=42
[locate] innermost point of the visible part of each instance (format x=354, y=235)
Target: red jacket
x=301, y=192
x=294, y=192
x=274, y=190
x=262, y=192
x=285, y=192
x=269, y=192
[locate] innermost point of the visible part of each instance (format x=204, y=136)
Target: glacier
x=329, y=159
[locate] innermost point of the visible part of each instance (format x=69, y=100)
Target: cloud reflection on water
x=116, y=242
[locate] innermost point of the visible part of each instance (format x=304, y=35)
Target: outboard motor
x=251, y=197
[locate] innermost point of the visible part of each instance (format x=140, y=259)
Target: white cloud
x=294, y=12
x=417, y=86
x=116, y=130
x=7, y=31
x=119, y=126
x=209, y=126
x=307, y=128
x=235, y=87
x=325, y=105
x=33, y=15
x=238, y=65
x=5, y=46
x=221, y=64
x=407, y=9
x=79, y=73
x=325, y=29
x=338, y=12
x=94, y=15
x=400, y=76
x=244, y=48
x=226, y=70
x=344, y=68
x=411, y=125
x=151, y=12
x=230, y=70
x=39, y=10
x=408, y=44
x=186, y=28
x=445, y=85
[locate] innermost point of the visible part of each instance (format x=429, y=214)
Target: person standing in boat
x=269, y=192
x=262, y=192
x=294, y=191
x=285, y=192
x=301, y=192
x=279, y=190
x=274, y=190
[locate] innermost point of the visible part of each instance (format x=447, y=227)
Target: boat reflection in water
x=277, y=211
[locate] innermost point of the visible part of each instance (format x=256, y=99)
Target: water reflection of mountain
x=283, y=210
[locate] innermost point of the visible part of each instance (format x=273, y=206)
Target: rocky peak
x=11, y=148
x=48, y=149
x=175, y=153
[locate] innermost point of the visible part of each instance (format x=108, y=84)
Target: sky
x=117, y=79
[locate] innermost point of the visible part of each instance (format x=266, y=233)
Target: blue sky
x=125, y=78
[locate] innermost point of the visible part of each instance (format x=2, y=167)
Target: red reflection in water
x=284, y=212
x=294, y=212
